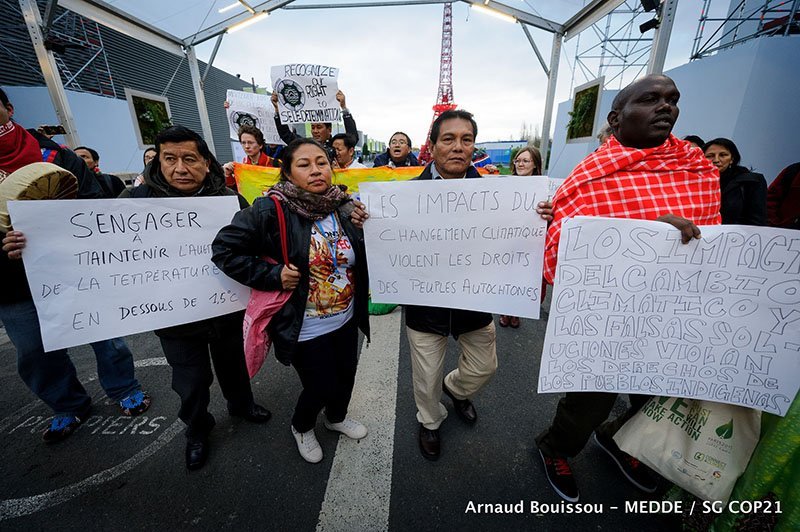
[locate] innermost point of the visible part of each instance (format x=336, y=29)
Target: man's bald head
x=644, y=113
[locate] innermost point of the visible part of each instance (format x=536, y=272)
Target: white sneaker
x=308, y=445
x=349, y=427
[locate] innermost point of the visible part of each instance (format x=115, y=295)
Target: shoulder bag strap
x=281, y=229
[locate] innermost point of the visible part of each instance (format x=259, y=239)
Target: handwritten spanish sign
x=473, y=244
x=101, y=269
x=636, y=311
x=247, y=108
x=306, y=93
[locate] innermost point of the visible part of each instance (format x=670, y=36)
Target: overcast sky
x=389, y=57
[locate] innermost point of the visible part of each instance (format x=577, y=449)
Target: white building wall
x=748, y=94
x=104, y=124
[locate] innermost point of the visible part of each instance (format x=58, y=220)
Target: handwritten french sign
x=100, y=269
x=636, y=311
x=473, y=244
x=247, y=108
x=306, y=93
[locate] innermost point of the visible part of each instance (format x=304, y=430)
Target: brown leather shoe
x=429, y=442
x=463, y=407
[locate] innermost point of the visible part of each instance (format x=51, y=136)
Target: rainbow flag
x=254, y=181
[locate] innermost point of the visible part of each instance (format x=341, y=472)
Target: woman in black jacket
x=527, y=161
x=744, y=193
x=185, y=168
x=316, y=331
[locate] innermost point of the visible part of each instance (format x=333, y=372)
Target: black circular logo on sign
x=291, y=94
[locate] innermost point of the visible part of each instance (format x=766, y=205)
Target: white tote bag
x=701, y=446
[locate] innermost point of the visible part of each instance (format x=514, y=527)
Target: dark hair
x=728, y=145
x=93, y=153
x=288, y=155
x=624, y=95
x=147, y=150
x=535, y=155
x=408, y=139
x=449, y=115
x=4, y=98
x=182, y=134
x=694, y=139
x=251, y=130
x=344, y=137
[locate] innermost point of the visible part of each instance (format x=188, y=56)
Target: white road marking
x=360, y=483
x=12, y=508
x=14, y=417
x=155, y=361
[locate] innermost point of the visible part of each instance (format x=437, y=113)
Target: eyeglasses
x=398, y=142
x=523, y=161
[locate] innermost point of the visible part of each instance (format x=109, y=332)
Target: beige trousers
x=476, y=365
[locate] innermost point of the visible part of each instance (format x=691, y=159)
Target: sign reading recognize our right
x=306, y=93
x=634, y=310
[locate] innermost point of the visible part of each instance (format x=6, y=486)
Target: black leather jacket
x=445, y=321
x=254, y=233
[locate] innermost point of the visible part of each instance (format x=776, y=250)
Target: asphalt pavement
x=118, y=473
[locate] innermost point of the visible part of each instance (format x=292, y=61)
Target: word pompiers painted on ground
x=110, y=255
x=306, y=93
x=472, y=244
x=636, y=311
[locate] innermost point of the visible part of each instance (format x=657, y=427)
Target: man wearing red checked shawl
x=642, y=172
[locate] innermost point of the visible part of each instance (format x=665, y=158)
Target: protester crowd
x=304, y=238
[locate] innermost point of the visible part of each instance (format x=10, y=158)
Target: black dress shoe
x=429, y=443
x=463, y=407
x=254, y=413
x=196, y=453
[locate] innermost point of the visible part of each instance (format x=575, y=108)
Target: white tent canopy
x=130, y=18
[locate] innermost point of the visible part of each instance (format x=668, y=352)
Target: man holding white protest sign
x=49, y=373
x=641, y=172
x=185, y=168
x=310, y=93
x=428, y=327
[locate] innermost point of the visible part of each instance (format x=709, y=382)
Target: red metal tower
x=444, y=98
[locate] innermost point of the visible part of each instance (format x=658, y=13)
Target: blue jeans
x=52, y=376
x=115, y=368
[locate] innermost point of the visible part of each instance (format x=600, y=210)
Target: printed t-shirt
x=330, y=293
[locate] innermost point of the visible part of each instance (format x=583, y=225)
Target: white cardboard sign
x=252, y=109
x=474, y=244
x=636, y=311
x=306, y=93
x=101, y=269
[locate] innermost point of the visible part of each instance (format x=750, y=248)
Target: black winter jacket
x=88, y=186
x=253, y=234
x=287, y=135
x=384, y=158
x=155, y=186
x=744, y=197
x=445, y=321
